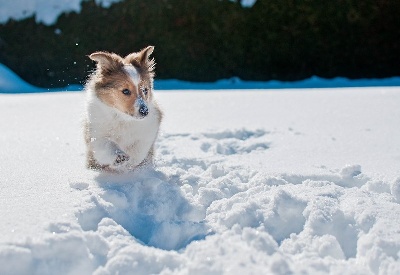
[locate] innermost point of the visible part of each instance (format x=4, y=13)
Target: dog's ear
x=141, y=59
x=145, y=53
x=106, y=61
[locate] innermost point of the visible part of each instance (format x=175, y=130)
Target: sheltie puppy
x=122, y=118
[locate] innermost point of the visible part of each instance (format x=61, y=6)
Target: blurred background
x=47, y=42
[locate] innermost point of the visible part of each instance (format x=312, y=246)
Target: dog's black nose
x=143, y=110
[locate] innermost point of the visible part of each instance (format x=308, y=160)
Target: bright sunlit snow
x=299, y=181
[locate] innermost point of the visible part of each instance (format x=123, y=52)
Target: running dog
x=122, y=119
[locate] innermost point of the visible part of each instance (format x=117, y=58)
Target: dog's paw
x=121, y=158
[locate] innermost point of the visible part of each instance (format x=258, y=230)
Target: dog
x=122, y=119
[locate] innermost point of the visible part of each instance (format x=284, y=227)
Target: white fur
x=112, y=132
x=133, y=73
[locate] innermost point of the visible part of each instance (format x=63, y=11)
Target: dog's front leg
x=107, y=152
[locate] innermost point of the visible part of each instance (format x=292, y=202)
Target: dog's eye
x=144, y=90
x=126, y=92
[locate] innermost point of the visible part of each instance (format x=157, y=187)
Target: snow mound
x=197, y=213
x=10, y=82
x=149, y=207
x=236, y=83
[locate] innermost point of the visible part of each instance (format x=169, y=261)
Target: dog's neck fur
x=99, y=112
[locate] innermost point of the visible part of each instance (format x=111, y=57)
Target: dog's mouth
x=138, y=116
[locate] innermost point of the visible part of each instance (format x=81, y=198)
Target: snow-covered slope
x=13, y=84
x=47, y=11
x=261, y=182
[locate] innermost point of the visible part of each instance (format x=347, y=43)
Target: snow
x=48, y=11
x=45, y=11
x=312, y=82
x=246, y=3
x=11, y=83
x=300, y=181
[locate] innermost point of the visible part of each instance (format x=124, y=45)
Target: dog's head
x=125, y=83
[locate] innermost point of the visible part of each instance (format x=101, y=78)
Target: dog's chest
x=135, y=138
x=129, y=134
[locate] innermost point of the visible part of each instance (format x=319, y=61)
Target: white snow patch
x=247, y=3
x=45, y=11
x=48, y=11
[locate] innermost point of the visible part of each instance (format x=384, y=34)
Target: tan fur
x=111, y=79
x=109, y=91
x=107, y=83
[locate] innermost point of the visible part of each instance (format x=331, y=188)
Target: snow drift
x=11, y=83
x=289, y=181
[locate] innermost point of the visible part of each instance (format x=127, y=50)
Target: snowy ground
x=246, y=182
